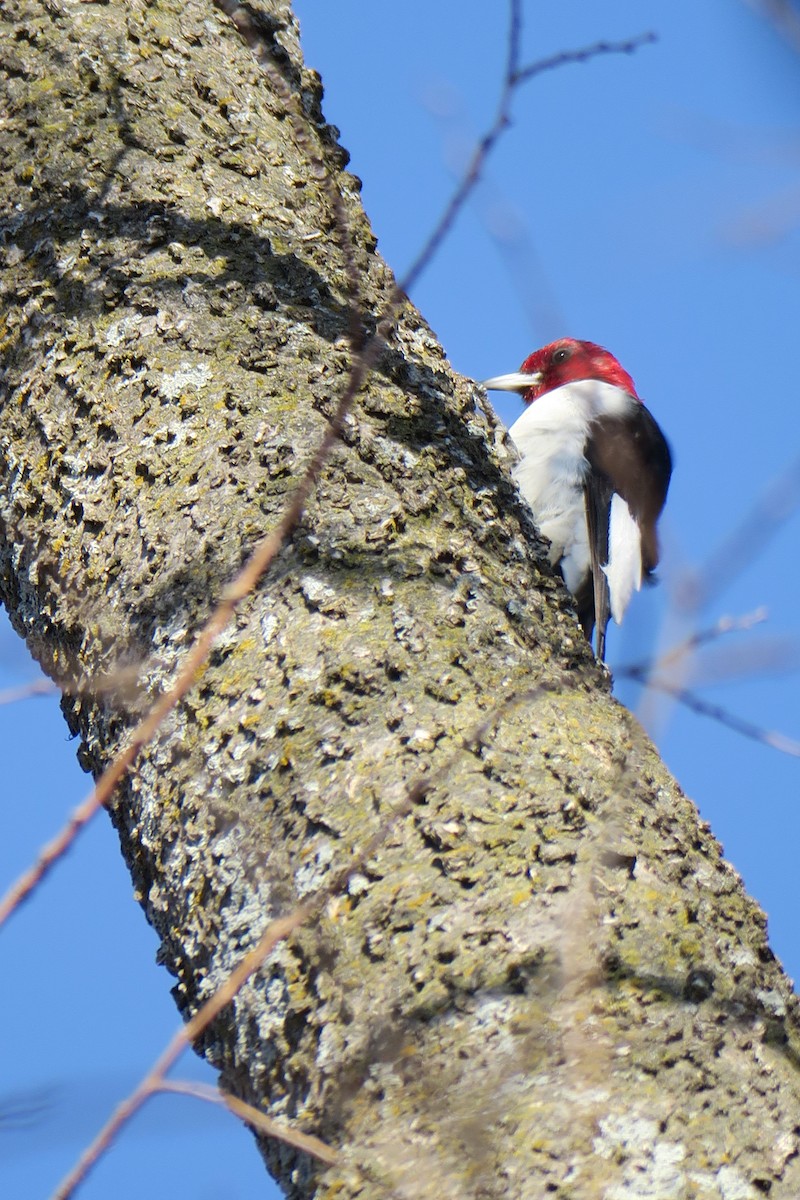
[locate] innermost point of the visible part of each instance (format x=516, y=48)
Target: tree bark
x=545, y=979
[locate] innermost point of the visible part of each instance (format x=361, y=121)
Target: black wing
x=628, y=455
x=632, y=453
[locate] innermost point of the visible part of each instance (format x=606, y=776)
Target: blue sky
x=650, y=203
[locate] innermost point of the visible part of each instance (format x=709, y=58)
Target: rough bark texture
x=546, y=981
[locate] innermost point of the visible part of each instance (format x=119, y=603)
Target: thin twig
x=642, y=670
x=513, y=78
x=782, y=16
x=777, y=741
x=25, y=1109
x=124, y=679
x=779, y=501
x=647, y=674
x=566, y=57
x=254, y=1117
x=27, y=691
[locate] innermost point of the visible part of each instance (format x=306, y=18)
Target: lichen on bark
x=545, y=977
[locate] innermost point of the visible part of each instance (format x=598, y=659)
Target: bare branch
x=27, y=691
x=648, y=674
x=123, y=681
x=642, y=670
x=783, y=17
x=514, y=77
x=25, y=1109
x=740, y=549
x=767, y=737
x=254, y=1117
x=567, y=57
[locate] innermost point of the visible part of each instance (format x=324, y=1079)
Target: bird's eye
x=561, y=355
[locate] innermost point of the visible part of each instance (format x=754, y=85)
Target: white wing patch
x=624, y=567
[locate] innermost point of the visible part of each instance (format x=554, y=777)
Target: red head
x=564, y=361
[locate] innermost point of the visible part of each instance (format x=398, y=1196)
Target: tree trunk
x=545, y=980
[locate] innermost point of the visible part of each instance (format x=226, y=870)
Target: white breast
x=551, y=436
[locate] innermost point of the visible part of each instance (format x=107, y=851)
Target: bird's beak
x=515, y=382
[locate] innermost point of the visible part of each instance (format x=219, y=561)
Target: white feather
x=551, y=436
x=624, y=568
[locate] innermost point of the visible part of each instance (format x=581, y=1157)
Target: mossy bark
x=545, y=980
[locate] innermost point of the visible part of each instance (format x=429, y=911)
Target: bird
x=595, y=468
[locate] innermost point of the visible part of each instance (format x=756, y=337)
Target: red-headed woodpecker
x=594, y=467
